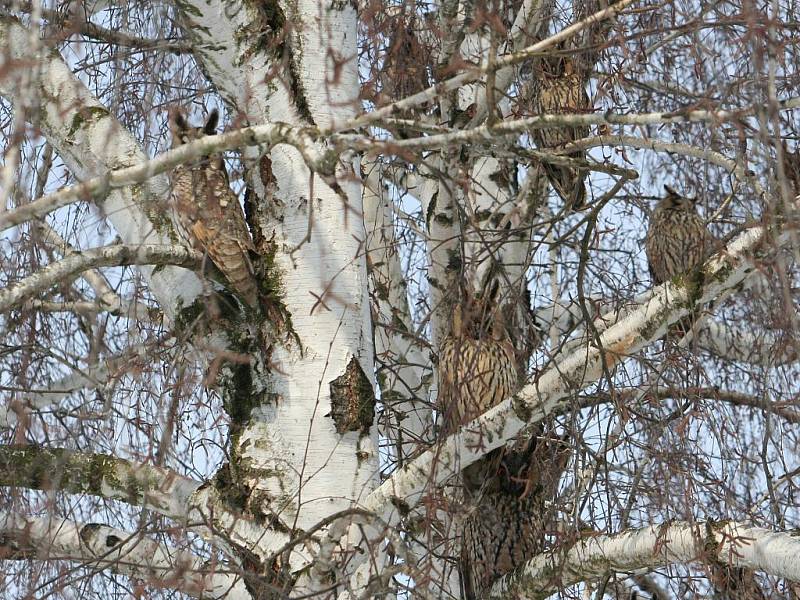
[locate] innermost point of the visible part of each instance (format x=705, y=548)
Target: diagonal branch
x=57, y=469
x=107, y=256
x=725, y=542
x=103, y=547
x=91, y=377
x=573, y=371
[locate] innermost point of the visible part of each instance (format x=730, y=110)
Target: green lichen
x=273, y=15
x=84, y=116
x=187, y=317
x=73, y=472
x=239, y=398
x=272, y=293
x=381, y=289
x=398, y=323
x=265, y=33
x=234, y=495
x=155, y=212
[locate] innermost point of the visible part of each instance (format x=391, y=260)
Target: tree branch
x=103, y=547
x=490, y=133
x=199, y=507
x=725, y=542
x=56, y=469
x=91, y=377
x=98, y=187
x=107, y=256
x=404, y=389
x=572, y=371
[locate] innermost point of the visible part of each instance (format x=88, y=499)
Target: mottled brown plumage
x=509, y=512
x=677, y=238
x=405, y=68
x=502, y=533
x=560, y=89
x=677, y=242
x=208, y=213
x=478, y=369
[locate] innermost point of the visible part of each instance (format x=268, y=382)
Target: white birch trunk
x=297, y=463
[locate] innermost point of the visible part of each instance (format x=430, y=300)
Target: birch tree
x=163, y=438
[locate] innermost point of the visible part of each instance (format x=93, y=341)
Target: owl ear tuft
x=177, y=121
x=210, y=128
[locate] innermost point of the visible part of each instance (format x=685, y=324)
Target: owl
x=560, y=89
x=479, y=368
x=405, y=67
x=511, y=509
x=207, y=213
x=677, y=242
x=677, y=238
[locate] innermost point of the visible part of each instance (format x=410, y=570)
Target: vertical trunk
x=304, y=442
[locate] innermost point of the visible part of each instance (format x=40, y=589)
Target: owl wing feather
x=211, y=216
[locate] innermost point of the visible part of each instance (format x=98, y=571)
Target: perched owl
x=677, y=242
x=405, y=67
x=478, y=368
x=207, y=212
x=511, y=509
x=560, y=89
x=677, y=238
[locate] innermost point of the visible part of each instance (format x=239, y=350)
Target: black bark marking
x=352, y=400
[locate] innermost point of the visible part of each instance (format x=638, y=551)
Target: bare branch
x=94, y=278
x=575, y=370
x=108, y=256
x=104, y=547
x=92, y=377
x=725, y=542
x=490, y=133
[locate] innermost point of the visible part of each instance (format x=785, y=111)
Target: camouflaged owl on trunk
x=207, y=213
